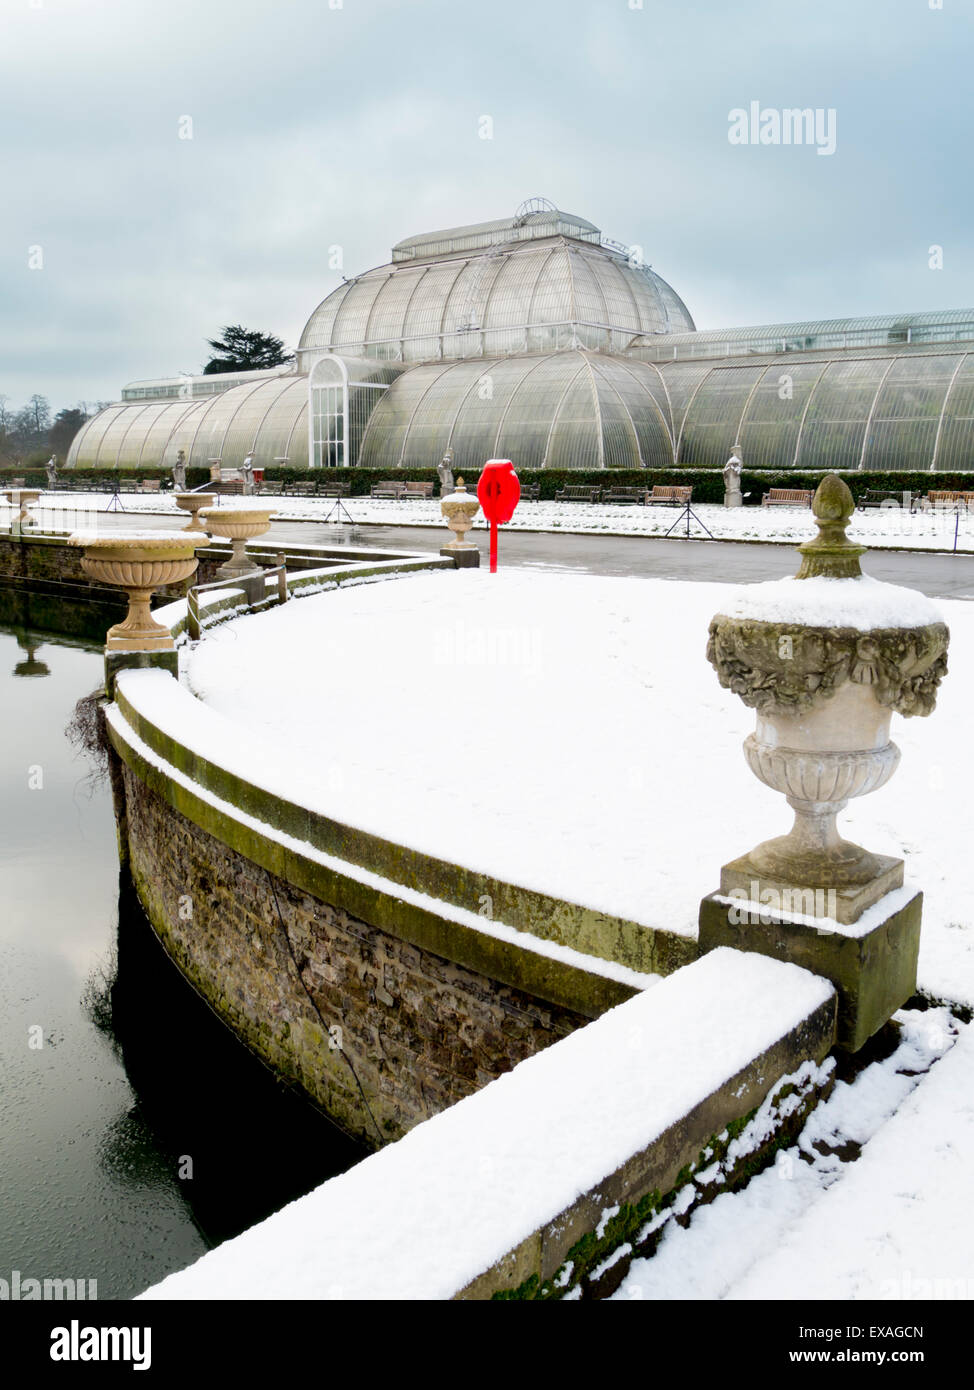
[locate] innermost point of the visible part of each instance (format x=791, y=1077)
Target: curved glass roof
x=548, y=222
x=877, y=330
x=887, y=410
x=268, y=418
x=577, y=410
x=533, y=297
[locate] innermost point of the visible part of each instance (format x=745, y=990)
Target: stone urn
x=460, y=508
x=139, y=562
x=23, y=498
x=238, y=525
x=824, y=660
x=194, y=502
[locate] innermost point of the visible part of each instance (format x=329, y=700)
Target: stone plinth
x=460, y=508
x=873, y=972
x=824, y=666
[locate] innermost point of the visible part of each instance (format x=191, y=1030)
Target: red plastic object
x=498, y=493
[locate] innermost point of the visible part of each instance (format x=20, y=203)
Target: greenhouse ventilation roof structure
x=533, y=337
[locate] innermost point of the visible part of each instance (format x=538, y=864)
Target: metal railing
x=254, y=586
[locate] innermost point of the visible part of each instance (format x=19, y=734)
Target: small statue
x=445, y=470
x=732, y=480
x=51, y=469
x=179, y=471
x=247, y=468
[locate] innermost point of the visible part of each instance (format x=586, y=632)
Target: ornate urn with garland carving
x=824, y=659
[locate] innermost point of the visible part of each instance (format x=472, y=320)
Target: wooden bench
x=953, y=500
x=387, y=490
x=149, y=484
x=625, y=495
x=275, y=489
x=304, y=488
x=334, y=489
x=417, y=489
x=786, y=497
x=577, y=492
x=670, y=495
x=530, y=492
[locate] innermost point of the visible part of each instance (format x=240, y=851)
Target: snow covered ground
x=894, y=526
x=566, y=732
x=892, y=1224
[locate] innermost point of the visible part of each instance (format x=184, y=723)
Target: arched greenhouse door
x=328, y=414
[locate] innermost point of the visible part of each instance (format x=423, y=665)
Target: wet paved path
x=943, y=576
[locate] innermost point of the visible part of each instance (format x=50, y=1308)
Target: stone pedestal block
x=462, y=556
x=116, y=661
x=874, y=972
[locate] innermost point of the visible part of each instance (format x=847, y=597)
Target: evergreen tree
x=243, y=350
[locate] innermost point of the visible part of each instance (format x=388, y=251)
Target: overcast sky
x=359, y=125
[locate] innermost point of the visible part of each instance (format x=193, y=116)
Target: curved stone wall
x=359, y=970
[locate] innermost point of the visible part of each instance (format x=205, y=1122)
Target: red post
x=498, y=492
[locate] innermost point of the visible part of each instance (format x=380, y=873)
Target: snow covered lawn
x=566, y=732
x=893, y=527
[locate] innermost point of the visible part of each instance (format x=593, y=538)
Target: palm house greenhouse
x=536, y=338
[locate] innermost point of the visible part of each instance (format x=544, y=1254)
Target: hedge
x=707, y=483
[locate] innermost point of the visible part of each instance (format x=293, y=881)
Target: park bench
x=530, y=492
x=578, y=492
x=274, y=489
x=787, y=497
x=670, y=495
x=334, y=489
x=387, y=490
x=149, y=484
x=303, y=488
x=417, y=489
x=952, y=500
x=625, y=494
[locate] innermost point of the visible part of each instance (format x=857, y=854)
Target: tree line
x=34, y=429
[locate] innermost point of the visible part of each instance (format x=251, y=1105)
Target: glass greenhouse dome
x=535, y=338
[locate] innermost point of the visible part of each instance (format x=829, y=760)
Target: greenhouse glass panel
x=94, y=433
x=835, y=423
x=168, y=433
x=906, y=416
x=714, y=416
x=769, y=435
x=318, y=330
x=353, y=313
x=589, y=301
x=554, y=389
x=955, y=448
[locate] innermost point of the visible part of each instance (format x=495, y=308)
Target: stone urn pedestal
x=238, y=525
x=140, y=563
x=825, y=660
x=460, y=508
x=24, y=498
x=194, y=502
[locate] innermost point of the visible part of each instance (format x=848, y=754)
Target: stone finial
x=831, y=554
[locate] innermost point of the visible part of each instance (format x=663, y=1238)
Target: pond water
x=135, y=1131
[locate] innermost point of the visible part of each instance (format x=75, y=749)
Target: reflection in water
x=29, y=643
x=113, y=1071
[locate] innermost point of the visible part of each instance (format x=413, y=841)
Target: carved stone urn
x=194, y=502
x=824, y=660
x=460, y=508
x=238, y=525
x=140, y=563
